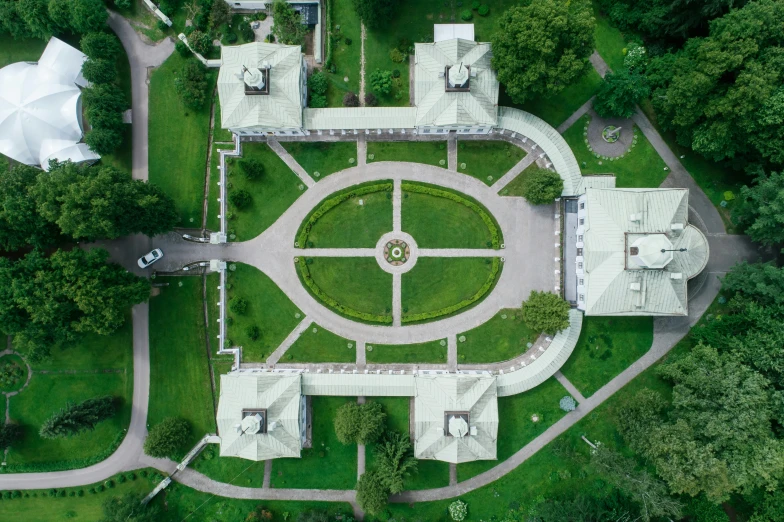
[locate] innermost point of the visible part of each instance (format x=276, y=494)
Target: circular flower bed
x=13, y=373
x=397, y=252
x=611, y=134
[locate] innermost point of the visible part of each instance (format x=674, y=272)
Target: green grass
x=272, y=194
x=96, y=366
x=268, y=308
x=641, y=166
x=20, y=50
x=320, y=346
x=557, y=108
x=488, y=161
x=606, y=347
x=436, y=222
x=430, y=352
x=328, y=464
x=231, y=470
x=428, y=152
x=515, y=426
x=179, y=367
x=610, y=41
x=497, y=340
x=345, y=57
x=178, y=142
x=218, y=133
x=324, y=157
x=355, y=282
x=351, y=225
x=438, y=282
x=515, y=187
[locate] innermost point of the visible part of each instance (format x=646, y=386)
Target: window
x=582, y=297
x=582, y=221
x=580, y=239
x=582, y=206
x=579, y=251
x=480, y=130
x=580, y=266
x=581, y=282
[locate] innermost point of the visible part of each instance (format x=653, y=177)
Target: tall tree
x=192, y=85
x=395, y=460
x=287, y=25
x=48, y=301
x=20, y=222
x=762, y=282
x=11, y=21
x=546, y=312
x=101, y=202
x=375, y=13
x=761, y=209
x=167, y=438
x=220, y=14
x=723, y=94
x=372, y=493
x=619, y=94
x=88, y=15
x=100, y=45
x=542, y=47
x=35, y=13
x=76, y=418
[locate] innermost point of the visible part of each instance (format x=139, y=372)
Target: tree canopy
x=760, y=212
x=546, y=312
x=192, y=85
x=619, y=93
x=167, y=438
x=359, y=423
x=542, y=186
x=287, y=26
x=76, y=418
x=541, y=47
x=372, y=494
x=375, y=13
x=20, y=222
x=762, y=282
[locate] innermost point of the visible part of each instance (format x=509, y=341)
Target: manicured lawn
x=96, y=366
x=179, y=367
x=503, y=337
x=345, y=56
x=487, y=161
x=355, y=223
x=438, y=282
x=324, y=157
x=515, y=187
x=641, y=166
x=317, y=344
x=20, y=50
x=231, y=470
x=355, y=282
x=328, y=464
x=178, y=142
x=431, y=352
x=268, y=309
x=437, y=222
x=610, y=41
x=428, y=152
x=607, y=346
x=272, y=194
x=218, y=133
x=515, y=425
x=555, y=109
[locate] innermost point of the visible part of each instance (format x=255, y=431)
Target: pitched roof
x=360, y=118
x=619, y=282
x=436, y=106
x=277, y=393
x=282, y=107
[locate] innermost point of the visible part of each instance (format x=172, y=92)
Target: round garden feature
x=13, y=373
x=397, y=252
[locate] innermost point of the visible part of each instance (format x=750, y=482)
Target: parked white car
x=150, y=258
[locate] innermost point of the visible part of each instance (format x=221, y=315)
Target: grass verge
x=357, y=283
x=503, y=337
x=427, y=152
x=322, y=157
x=487, y=161
x=431, y=352
x=317, y=344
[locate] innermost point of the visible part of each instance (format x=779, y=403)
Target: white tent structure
x=41, y=108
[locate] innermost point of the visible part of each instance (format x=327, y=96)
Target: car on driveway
x=150, y=258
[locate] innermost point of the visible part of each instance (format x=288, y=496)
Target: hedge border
x=495, y=234
x=316, y=290
x=332, y=202
x=483, y=290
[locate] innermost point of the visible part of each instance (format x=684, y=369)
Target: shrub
x=458, y=510
x=103, y=46
x=200, y=42
x=252, y=169
x=192, y=85
x=270, y=38
x=381, y=81
x=619, y=93
x=372, y=494
x=166, y=437
x=567, y=403
x=182, y=49
x=246, y=31
x=232, y=37
x=546, y=312
x=636, y=57
x=350, y=99
x=475, y=5
x=121, y=479
x=466, y=15
x=359, y=423
x=396, y=55
x=238, y=305
x=161, y=25
x=318, y=83
x=252, y=332
x=77, y=418
x=123, y=4
x=348, y=41
x=542, y=186
x=317, y=101
x=396, y=73
x=103, y=141
x=97, y=70
x=483, y=10
x=370, y=99
x=240, y=198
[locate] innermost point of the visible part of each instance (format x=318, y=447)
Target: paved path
x=267, y=474
x=451, y=145
x=451, y=352
x=361, y=350
x=452, y=474
x=397, y=299
x=514, y=172
x=397, y=206
x=289, y=340
x=289, y=160
x=361, y=150
x=569, y=386
x=579, y=113
x=599, y=64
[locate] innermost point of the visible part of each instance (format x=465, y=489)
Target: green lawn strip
x=345, y=56
x=230, y=470
x=220, y=366
x=610, y=41
x=436, y=222
x=436, y=283
x=268, y=308
x=641, y=166
x=355, y=282
x=328, y=464
x=427, y=152
x=516, y=427
x=555, y=109
x=606, y=347
x=272, y=194
x=320, y=345
x=355, y=223
x=213, y=311
x=431, y=352
x=14, y=50
x=515, y=187
x=487, y=161
x=503, y=337
x=324, y=157
x=219, y=134
x=397, y=410
x=179, y=369
x=713, y=178
x=178, y=142
x=93, y=352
